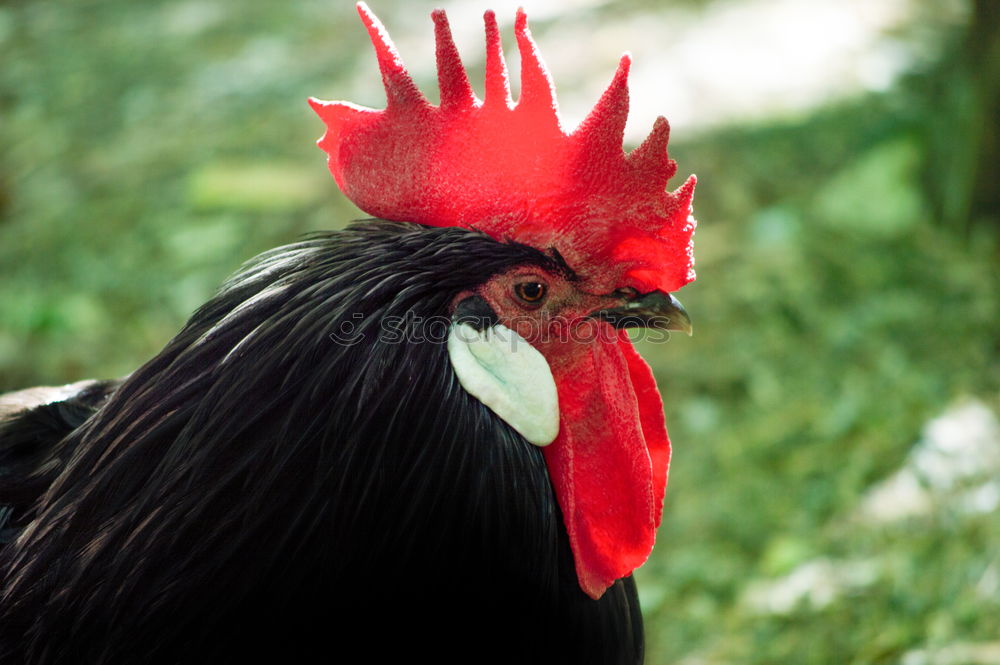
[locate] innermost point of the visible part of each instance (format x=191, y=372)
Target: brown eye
x=530, y=292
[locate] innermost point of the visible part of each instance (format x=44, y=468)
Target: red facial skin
x=608, y=465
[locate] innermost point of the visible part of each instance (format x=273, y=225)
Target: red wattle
x=608, y=465
x=654, y=426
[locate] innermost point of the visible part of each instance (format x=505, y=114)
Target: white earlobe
x=500, y=369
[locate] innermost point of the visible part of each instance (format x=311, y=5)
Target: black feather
x=31, y=454
x=299, y=477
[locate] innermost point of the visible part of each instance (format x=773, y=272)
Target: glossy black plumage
x=33, y=424
x=262, y=490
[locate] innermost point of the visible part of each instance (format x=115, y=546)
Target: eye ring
x=532, y=293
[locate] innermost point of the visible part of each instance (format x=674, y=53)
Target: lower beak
x=656, y=309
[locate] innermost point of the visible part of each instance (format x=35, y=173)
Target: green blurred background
x=834, y=493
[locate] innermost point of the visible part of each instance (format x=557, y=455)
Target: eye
x=532, y=293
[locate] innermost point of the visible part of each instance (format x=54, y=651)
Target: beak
x=655, y=309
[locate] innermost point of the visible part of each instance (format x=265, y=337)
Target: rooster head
x=546, y=350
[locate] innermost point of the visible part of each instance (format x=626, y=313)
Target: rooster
x=425, y=436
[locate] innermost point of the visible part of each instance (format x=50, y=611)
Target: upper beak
x=655, y=309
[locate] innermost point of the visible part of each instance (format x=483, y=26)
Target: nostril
x=627, y=292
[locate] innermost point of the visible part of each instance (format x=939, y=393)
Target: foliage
x=833, y=318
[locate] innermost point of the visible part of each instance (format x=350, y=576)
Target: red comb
x=510, y=170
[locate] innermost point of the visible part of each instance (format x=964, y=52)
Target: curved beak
x=653, y=310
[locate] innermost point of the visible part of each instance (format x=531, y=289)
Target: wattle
x=609, y=463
